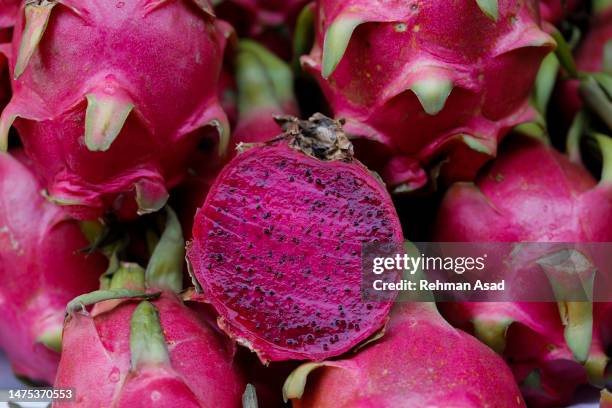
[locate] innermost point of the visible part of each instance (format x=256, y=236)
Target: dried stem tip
x=320, y=137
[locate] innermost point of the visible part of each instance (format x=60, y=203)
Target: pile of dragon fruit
x=187, y=187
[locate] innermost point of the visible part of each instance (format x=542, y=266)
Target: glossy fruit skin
x=421, y=361
x=531, y=193
x=96, y=361
x=117, y=138
x=408, y=85
x=41, y=268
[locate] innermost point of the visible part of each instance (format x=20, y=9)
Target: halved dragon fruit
x=424, y=83
x=277, y=245
x=41, y=269
x=421, y=361
x=113, y=130
x=532, y=193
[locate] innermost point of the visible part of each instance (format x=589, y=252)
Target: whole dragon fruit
x=421, y=361
x=114, y=130
x=277, y=245
x=41, y=269
x=532, y=193
x=268, y=21
x=146, y=354
x=142, y=346
x=423, y=83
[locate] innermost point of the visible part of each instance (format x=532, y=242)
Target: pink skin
x=420, y=362
x=40, y=267
x=96, y=361
x=265, y=259
x=129, y=53
x=589, y=58
x=264, y=21
x=530, y=194
x=8, y=12
x=554, y=11
x=5, y=82
x=400, y=45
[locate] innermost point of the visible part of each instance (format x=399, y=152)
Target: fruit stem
x=319, y=137
x=80, y=302
x=564, y=53
x=264, y=80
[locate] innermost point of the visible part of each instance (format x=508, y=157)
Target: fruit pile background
x=186, y=187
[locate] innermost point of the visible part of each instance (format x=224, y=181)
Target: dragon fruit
x=426, y=82
x=141, y=345
x=8, y=13
x=143, y=354
x=267, y=21
x=277, y=245
x=590, y=57
x=554, y=11
x=114, y=130
x=265, y=90
x=421, y=361
x=41, y=271
x=532, y=193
